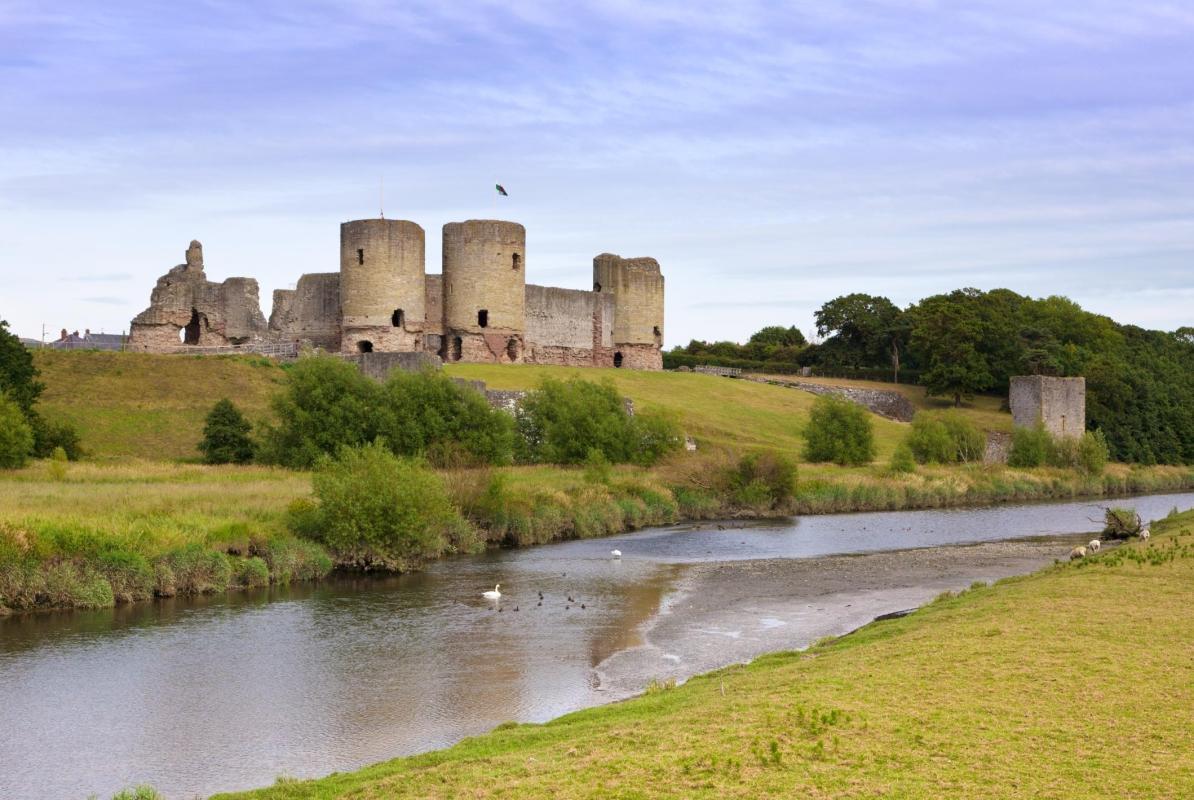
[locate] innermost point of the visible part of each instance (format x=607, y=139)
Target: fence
x=271, y=349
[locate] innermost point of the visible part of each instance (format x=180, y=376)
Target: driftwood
x=1121, y=523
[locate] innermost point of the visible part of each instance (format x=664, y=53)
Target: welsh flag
x=501, y=190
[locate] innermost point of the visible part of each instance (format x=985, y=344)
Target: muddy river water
x=198, y=696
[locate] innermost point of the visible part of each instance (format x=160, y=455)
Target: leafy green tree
x=839, y=431
x=16, y=437
x=562, y=421
x=226, y=437
x=863, y=330
x=947, y=331
x=327, y=404
x=1030, y=447
x=778, y=336
x=18, y=375
x=427, y=412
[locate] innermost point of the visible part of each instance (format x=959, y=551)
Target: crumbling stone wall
x=568, y=327
x=187, y=309
x=1058, y=403
x=892, y=405
x=310, y=313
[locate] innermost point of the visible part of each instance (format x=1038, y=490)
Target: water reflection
x=200, y=695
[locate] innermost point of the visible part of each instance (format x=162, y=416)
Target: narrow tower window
x=617, y=359
x=397, y=318
x=516, y=261
x=483, y=318
x=360, y=256
x=656, y=330
x=596, y=286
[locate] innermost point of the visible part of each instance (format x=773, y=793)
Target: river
x=202, y=695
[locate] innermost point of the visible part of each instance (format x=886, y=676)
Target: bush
x=251, y=572
x=762, y=479
x=428, y=413
x=226, y=435
x=1093, y=453
x=945, y=439
x=58, y=462
x=562, y=421
x=902, y=460
x=327, y=404
x=1031, y=447
x=839, y=431
x=16, y=436
x=377, y=510
x=50, y=436
x=130, y=575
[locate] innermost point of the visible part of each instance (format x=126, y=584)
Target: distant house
x=88, y=341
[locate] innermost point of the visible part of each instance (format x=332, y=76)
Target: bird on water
x=493, y=595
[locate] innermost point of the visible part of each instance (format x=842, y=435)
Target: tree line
x=1140, y=383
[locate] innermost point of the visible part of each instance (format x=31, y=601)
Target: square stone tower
x=1058, y=403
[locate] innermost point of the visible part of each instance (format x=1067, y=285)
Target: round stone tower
x=382, y=286
x=484, y=291
x=637, y=287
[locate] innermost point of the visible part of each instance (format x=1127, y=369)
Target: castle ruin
x=1059, y=404
x=480, y=309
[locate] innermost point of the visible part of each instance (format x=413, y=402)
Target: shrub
x=226, y=435
x=562, y=421
x=902, y=460
x=195, y=569
x=428, y=413
x=762, y=479
x=16, y=436
x=58, y=464
x=1031, y=447
x=945, y=439
x=839, y=431
x=290, y=559
x=327, y=404
x=1088, y=453
x=597, y=467
x=929, y=440
x=657, y=433
x=377, y=510
x=51, y=436
x=967, y=439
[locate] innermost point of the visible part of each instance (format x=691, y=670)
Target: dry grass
x=1076, y=682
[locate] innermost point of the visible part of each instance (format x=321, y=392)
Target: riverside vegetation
x=572, y=463
x=1070, y=682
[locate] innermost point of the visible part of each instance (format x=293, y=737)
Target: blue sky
x=770, y=155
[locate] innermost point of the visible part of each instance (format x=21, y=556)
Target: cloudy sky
x=770, y=155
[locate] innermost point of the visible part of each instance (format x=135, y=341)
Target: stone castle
x=480, y=309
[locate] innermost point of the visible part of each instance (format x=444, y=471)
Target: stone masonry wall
x=892, y=405
x=309, y=313
x=1058, y=403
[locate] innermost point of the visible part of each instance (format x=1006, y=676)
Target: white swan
x=616, y=553
x=493, y=595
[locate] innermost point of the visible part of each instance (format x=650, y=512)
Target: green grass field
x=148, y=406
x=1075, y=682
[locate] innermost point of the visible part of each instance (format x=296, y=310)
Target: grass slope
x=717, y=411
x=1075, y=682
x=149, y=406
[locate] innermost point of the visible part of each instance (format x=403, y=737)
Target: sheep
x=1077, y=553
x=1144, y=534
x=1095, y=545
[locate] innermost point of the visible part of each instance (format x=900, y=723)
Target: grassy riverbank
x=1075, y=682
x=95, y=534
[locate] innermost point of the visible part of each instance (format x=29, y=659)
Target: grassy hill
x=152, y=406
x=1075, y=682
x=717, y=411
x=149, y=406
